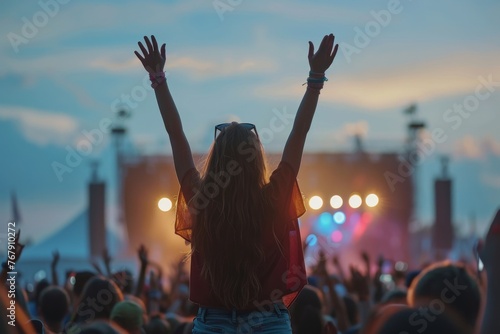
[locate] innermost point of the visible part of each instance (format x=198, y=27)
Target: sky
x=67, y=66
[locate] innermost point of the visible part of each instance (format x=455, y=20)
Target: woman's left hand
x=320, y=61
x=153, y=59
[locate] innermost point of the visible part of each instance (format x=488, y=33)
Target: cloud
x=470, y=147
x=218, y=65
x=39, y=126
x=349, y=130
x=491, y=180
x=76, y=60
x=73, y=18
x=491, y=145
x=215, y=63
x=387, y=86
x=114, y=66
x=81, y=94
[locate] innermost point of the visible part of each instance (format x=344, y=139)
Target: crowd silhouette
x=440, y=297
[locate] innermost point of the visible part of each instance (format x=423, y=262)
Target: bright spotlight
x=325, y=219
x=337, y=236
x=355, y=201
x=315, y=202
x=401, y=266
x=336, y=201
x=40, y=275
x=339, y=217
x=371, y=200
x=165, y=204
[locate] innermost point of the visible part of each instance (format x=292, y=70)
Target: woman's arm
x=336, y=302
x=319, y=62
x=153, y=61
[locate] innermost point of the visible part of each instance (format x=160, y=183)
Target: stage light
x=325, y=220
x=336, y=201
x=165, y=204
x=315, y=202
x=355, y=201
x=40, y=275
x=401, y=266
x=311, y=240
x=337, y=236
x=372, y=200
x=339, y=217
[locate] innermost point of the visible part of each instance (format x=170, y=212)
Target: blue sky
x=243, y=63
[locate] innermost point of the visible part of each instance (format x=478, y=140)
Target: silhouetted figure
x=247, y=264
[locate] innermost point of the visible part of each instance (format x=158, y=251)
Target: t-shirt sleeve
x=285, y=192
x=185, y=210
x=289, y=204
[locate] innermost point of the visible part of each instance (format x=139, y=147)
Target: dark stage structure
x=379, y=224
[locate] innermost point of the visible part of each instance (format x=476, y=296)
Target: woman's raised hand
x=153, y=59
x=323, y=58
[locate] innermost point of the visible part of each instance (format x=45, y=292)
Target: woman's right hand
x=153, y=59
x=320, y=61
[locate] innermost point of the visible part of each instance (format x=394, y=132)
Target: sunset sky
x=66, y=66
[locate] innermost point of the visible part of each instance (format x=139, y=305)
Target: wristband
x=320, y=80
x=315, y=86
x=315, y=80
x=157, y=78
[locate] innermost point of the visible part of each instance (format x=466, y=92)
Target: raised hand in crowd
x=142, y=254
x=335, y=301
x=106, y=258
x=13, y=256
x=53, y=267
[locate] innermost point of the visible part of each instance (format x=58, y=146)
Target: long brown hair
x=228, y=232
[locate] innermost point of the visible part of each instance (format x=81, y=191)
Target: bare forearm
x=181, y=150
x=55, y=279
x=294, y=147
x=306, y=111
x=168, y=110
x=338, y=305
x=140, y=282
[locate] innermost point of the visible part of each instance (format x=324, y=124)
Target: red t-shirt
x=283, y=273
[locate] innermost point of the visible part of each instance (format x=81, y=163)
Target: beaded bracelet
x=315, y=85
x=157, y=78
x=316, y=78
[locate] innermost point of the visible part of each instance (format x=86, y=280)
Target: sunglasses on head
x=248, y=126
